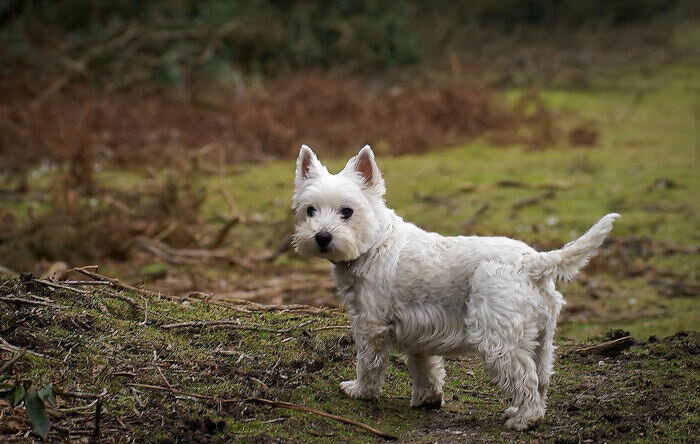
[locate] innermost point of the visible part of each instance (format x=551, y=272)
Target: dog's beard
x=342, y=248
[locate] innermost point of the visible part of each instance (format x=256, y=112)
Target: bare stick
x=116, y=283
x=477, y=215
x=223, y=232
x=98, y=416
x=232, y=324
x=331, y=327
x=14, y=359
x=4, y=345
x=180, y=392
x=77, y=395
x=164, y=378
x=608, y=348
x=278, y=404
x=63, y=287
x=303, y=408
x=19, y=301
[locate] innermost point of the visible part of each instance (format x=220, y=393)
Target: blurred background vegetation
x=154, y=137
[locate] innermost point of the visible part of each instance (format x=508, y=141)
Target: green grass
x=96, y=337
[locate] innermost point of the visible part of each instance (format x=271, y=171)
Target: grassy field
x=644, y=165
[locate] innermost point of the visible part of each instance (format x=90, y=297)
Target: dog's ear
x=365, y=166
x=307, y=164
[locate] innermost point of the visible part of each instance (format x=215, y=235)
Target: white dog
x=430, y=296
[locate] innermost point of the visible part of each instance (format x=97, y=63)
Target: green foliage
x=34, y=402
x=37, y=413
x=171, y=40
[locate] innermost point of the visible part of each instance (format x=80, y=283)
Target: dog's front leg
x=371, y=339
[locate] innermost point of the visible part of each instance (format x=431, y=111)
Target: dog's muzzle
x=323, y=240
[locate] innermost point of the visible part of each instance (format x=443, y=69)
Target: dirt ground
x=161, y=382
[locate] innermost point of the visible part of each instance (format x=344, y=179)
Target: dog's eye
x=345, y=213
x=310, y=211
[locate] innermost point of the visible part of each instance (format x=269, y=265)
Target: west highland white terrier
x=430, y=296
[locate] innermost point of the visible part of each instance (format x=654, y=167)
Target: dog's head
x=338, y=216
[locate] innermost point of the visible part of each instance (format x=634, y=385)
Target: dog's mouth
x=324, y=249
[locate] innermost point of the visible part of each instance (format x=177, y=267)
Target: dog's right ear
x=307, y=165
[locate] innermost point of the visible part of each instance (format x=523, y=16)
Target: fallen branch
x=20, y=301
x=303, y=408
x=12, y=361
x=284, y=246
x=232, y=324
x=331, y=327
x=223, y=232
x=277, y=404
x=4, y=345
x=117, y=283
x=477, y=215
x=529, y=201
x=608, y=348
x=63, y=287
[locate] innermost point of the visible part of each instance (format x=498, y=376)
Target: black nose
x=323, y=239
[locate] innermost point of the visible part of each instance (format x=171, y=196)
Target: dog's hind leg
x=516, y=372
x=372, y=341
x=501, y=326
x=428, y=373
x=545, y=358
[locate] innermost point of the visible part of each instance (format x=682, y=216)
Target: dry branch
x=303, y=408
x=116, y=283
x=608, y=348
x=232, y=324
x=478, y=214
x=14, y=359
x=20, y=301
x=331, y=327
x=277, y=404
x=4, y=345
x=60, y=286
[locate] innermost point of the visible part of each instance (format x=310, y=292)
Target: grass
x=99, y=344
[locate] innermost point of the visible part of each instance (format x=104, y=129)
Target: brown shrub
x=337, y=114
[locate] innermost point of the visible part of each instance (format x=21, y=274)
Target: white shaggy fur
x=431, y=296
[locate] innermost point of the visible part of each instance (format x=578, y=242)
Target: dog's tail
x=565, y=263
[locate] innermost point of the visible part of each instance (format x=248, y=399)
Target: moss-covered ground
x=96, y=343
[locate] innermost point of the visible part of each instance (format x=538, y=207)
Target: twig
x=85, y=283
x=303, y=408
x=14, y=359
x=63, y=287
x=529, y=201
x=77, y=395
x=116, y=283
x=13, y=300
x=98, y=416
x=4, y=345
x=477, y=215
x=181, y=393
x=126, y=299
x=284, y=246
x=232, y=324
x=608, y=348
x=331, y=327
x=164, y=378
x=278, y=404
x=223, y=232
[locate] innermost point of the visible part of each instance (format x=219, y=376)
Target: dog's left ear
x=365, y=166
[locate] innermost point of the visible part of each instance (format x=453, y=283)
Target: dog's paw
x=510, y=412
x=518, y=423
x=525, y=418
x=354, y=390
x=425, y=399
x=429, y=404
